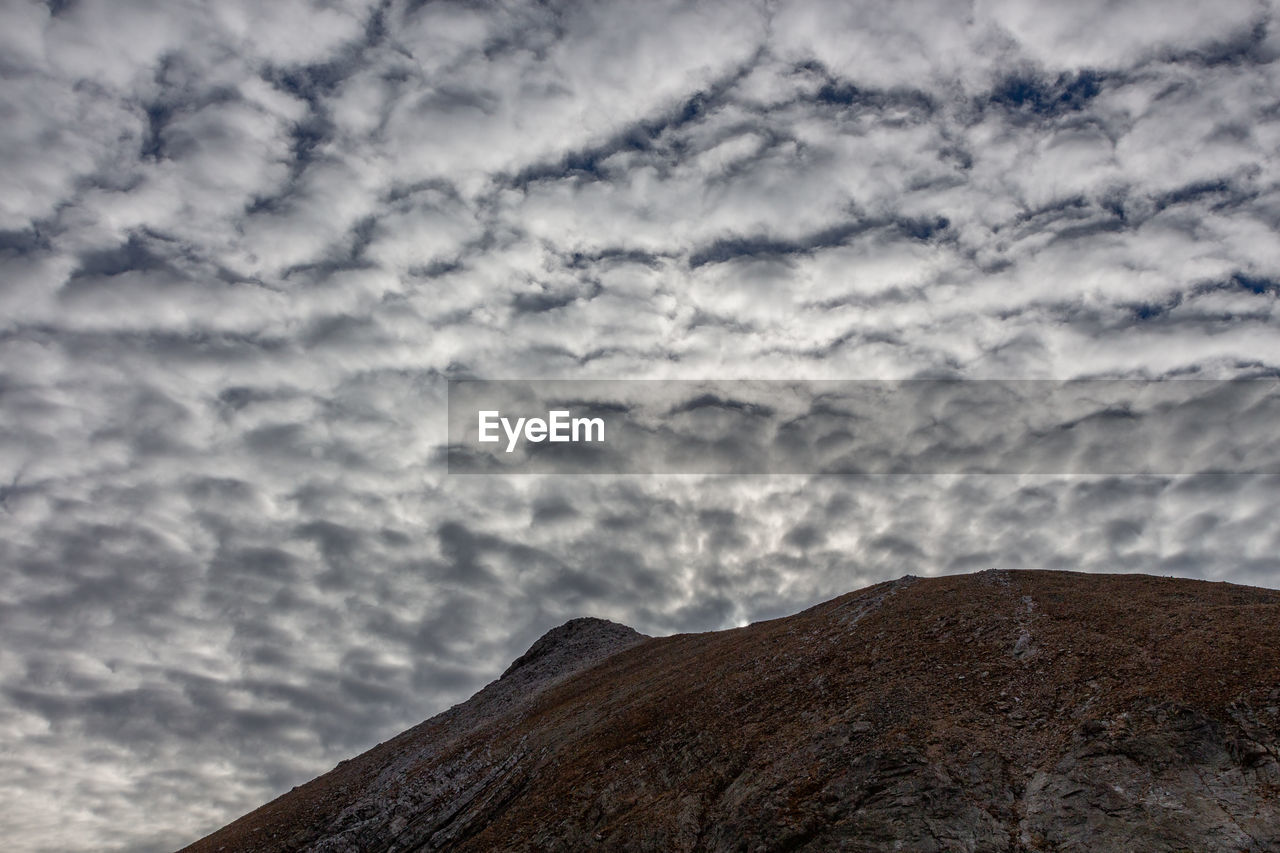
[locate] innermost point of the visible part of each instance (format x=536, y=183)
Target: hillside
x=1027, y=710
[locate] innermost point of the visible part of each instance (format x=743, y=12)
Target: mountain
x=998, y=711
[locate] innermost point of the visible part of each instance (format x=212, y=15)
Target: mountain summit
x=574, y=644
x=1000, y=711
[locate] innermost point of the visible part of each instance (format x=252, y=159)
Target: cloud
x=243, y=246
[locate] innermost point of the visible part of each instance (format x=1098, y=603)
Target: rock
x=1177, y=787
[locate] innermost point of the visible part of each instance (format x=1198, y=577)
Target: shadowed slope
x=996, y=711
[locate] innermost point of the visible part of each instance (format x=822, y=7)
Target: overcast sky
x=243, y=244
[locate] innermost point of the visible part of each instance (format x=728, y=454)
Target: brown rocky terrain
x=1000, y=711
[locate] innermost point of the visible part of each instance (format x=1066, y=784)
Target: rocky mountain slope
x=1001, y=711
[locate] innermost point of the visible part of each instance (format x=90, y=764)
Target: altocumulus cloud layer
x=243, y=245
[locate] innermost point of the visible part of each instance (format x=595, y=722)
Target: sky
x=245, y=245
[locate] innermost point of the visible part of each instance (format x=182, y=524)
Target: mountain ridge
x=1026, y=710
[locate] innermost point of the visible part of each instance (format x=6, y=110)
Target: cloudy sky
x=243, y=246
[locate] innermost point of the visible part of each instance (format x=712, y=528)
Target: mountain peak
x=584, y=638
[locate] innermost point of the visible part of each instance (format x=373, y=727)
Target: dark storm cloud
x=550, y=508
x=243, y=245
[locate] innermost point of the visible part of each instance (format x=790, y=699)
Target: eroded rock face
x=1186, y=782
x=1027, y=711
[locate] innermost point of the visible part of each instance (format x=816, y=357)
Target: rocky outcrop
x=1186, y=782
x=1023, y=711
